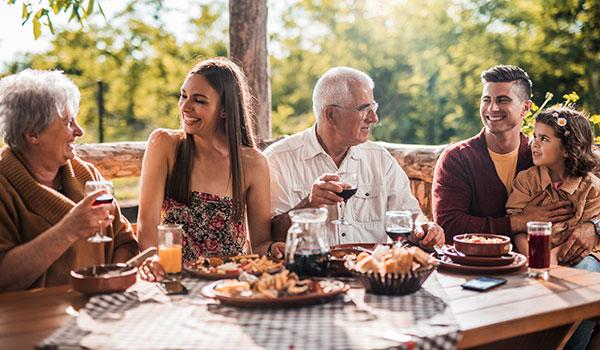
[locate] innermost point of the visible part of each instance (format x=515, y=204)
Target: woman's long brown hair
x=228, y=80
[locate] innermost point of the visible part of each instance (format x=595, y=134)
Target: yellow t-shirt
x=506, y=166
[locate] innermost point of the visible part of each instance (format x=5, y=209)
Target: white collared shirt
x=297, y=161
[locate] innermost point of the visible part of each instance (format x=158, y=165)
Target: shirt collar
x=313, y=148
x=569, y=185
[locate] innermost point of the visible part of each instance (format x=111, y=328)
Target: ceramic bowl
x=468, y=244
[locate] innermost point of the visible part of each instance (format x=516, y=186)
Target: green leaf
x=101, y=11
x=50, y=24
x=90, y=8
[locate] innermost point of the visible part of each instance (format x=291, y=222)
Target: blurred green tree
x=425, y=58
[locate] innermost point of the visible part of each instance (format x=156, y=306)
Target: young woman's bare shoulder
x=164, y=138
x=254, y=159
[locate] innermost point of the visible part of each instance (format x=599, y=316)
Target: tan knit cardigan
x=28, y=209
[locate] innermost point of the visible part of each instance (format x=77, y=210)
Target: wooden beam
x=248, y=47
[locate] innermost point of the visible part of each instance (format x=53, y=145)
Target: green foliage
x=41, y=12
x=425, y=58
x=141, y=65
x=569, y=100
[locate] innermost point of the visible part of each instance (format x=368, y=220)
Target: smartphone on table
x=173, y=288
x=481, y=284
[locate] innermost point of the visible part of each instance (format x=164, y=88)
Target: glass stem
x=342, y=209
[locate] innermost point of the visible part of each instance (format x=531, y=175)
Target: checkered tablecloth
x=418, y=321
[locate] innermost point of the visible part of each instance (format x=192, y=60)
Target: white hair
x=334, y=88
x=31, y=99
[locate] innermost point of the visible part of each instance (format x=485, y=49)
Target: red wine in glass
x=347, y=193
x=103, y=199
x=398, y=233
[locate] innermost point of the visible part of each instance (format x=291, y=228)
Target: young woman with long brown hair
x=209, y=177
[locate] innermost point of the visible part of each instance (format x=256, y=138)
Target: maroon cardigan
x=468, y=195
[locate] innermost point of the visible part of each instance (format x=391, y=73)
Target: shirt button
x=367, y=194
x=343, y=234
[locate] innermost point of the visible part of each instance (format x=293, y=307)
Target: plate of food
x=518, y=263
x=230, y=267
x=283, y=289
x=392, y=271
x=461, y=258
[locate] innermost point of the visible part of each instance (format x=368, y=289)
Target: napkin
x=148, y=291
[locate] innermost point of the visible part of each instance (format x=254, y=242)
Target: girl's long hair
x=229, y=81
x=575, y=133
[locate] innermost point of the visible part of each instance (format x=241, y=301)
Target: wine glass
x=105, y=198
x=349, y=181
x=399, y=224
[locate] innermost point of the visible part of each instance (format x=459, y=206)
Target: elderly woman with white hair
x=45, y=215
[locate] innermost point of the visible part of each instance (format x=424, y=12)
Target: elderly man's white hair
x=333, y=88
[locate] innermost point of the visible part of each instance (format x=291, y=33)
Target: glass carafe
x=307, y=248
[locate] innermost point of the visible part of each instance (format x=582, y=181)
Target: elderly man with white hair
x=304, y=166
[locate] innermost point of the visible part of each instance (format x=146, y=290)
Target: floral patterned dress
x=207, y=227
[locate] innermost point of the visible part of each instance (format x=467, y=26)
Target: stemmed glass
x=399, y=224
x=105, y=198
x=349, y=181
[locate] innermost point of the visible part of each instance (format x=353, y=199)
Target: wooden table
x=523, y=314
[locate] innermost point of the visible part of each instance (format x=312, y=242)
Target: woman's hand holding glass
x=84, y=218
x=106, y=197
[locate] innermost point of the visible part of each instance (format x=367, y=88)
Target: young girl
x=209, y=177
x=563, y=160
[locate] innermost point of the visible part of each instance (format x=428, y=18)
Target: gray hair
x=30, y=100
x=334, y=88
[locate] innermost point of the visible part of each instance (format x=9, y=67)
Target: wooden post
x=248, y=47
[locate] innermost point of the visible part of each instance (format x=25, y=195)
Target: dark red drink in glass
x=539, y=250
x=103, y=199
x=539, y=234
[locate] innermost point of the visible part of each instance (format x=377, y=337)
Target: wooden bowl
x=101, y=279
x=464, y=244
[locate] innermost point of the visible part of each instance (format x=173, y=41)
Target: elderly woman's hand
x=151, y=270
x=85, y=218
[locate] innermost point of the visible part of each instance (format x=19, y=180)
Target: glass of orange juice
x=169, y=249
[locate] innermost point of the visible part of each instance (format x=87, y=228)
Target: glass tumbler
x=538, y=235
x=169, y=249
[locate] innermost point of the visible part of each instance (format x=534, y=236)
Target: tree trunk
x=248, y=47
